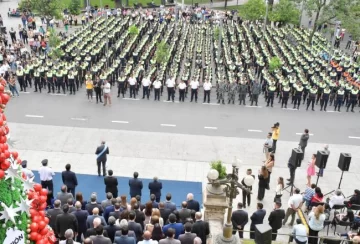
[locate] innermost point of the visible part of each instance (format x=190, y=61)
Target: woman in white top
x=107, y=90
x=316, y=223
x=279, y=189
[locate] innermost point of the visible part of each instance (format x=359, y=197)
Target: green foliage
x=285, y=11
x=162, y=52
x=253, y=10
x=54, y=42
x=274, y=64
x=216, y=33
x=9, y=197
x=75, y=7
x=218, y=165
x=51, y=8
x=351, y=22
x=133, y=30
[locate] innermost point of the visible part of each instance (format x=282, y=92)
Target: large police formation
x=239, y=67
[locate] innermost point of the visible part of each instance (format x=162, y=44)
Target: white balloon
x=249, y=180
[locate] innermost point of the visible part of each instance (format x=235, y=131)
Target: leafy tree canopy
x=253, y=10
x=162, y=52
x=75, y=7
x=48, y=8
x=285, y=11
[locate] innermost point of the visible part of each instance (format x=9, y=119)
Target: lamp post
x=302, y=10
x=266, y=16
x=231, y=184
x=337, y=23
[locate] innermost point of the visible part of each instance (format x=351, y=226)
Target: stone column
x=215, y=203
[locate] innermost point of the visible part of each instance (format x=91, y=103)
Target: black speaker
x=321, y=159
x=263, y=234
x=296, y=157
x=344, y=161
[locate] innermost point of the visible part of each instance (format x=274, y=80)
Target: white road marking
x=255, y=130
x=79, y=119
x=354, y=137
x=248, y=106
x=210, y=128
x=34, y=116
x=168, y=125
x=214, y=104
x=299, y=134
x=128, y=98
x=120, y=122
x=166, y=101
x=290, y=109
x=58, y=94
x=24, y=92
x=333, y=112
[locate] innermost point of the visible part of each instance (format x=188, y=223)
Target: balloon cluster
x=4, y=130
x=39, y=231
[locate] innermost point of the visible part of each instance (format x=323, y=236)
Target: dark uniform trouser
x=27, y=80
x=338, y=103
x=50, y=82
x=323, y=103
x=352, y=102
x=181, y=95
x=22, y=84
x=157, y=94
x=170, y=91
x=207, y=95
x=270, y=99
x=194, y=92
x=37, y=83
x=246, y=198
x=242, y=98
x=77, y=83
x=297, y=100
x=121, y=90
x=254, y=98
x=48, y=184
x=146, y=92
x=60, y=83
x=103, y=164
x=98, y=94
x=284, y=101
x=132, y=91
x=312, y=101
x=72, y=86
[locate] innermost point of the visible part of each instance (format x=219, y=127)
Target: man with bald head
x=184, y=213
x=95, y=214
x=201, y=228
x=191, y=203
x=147, y=238
x=63, y=195
x=92, y=231
x=81, y=216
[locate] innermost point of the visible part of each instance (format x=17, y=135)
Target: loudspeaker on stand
x=344, y=161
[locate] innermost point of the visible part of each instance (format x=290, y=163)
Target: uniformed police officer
x=339, y=98
x=232, y=92
x=312, y=96
x=71, y=79
x=325, y=98
x=298, y=92
x=221, y=88
x=353, y=96
x=37, y=81
x=121, y=85
x=285, y=93
x=20, y=77
x=255, y=91
x=242, y=92
x=50, y=80
x=271, y=94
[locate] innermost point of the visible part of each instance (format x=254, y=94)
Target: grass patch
x=230, y=8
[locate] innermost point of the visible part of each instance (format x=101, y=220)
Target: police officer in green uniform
x=50, y=80
x=321, y=88
x=312, y=96
x=121, y=85
x=325, y=98
x=353, y=96
x=60, y=80
x=37, y=81
x=242, y=92
x=20, y=77
x=285, y=93
x=27, y=75
x=339, y=98
x=271, y=94
x=71, y=80
x=298, y=92
x=348, y=90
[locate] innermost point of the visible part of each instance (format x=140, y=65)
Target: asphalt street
x=185, y=118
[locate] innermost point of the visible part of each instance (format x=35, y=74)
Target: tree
x=327, y=11
x=75, y=7
x=351, y=22
x=54, y=42
x=162, y=52
x=133, y=30
x=253, y=10
x=274, y=64
x=285, y=12
x=52, y=8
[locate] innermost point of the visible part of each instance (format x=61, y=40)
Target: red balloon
x=15, y=154
x=36, y=218
x=5, y=165
x=33, y=236
x=7, y=154
x=30, y=194
x=2, y=157
x=6, y=147
x=43, y=206
x=1, y=120
x=42, y=224
x=5, y=98
x=34, y=227
x=2, y=88
x=3, y=139
x=46, y=220
x=33, y=212
x=42, y=213
x=37, y=187
x=6, y=129
x=3, y=117
x=44, y=231
x=43, y=199
x=2, y=174
x=40, y=241
x=43, y=192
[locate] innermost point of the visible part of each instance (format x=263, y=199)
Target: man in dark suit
x=135, y=185
x=109, y=209
x=153, y=200
x=99, y=238
x=188, y=237
x=63, y=195
x=117, y=211
x=178, y=227
x=81, y=216
x=164, y=212
x=111, y=228
x=303, y=142
x=169, y=204
x=93, y=204
x=184, y=213
x=66, y=221
x=124, y=238
x=70, y=203
x=239, y=219
x=136, y=227
x=192, y=204
x=92, y=231
x=155, y=188
x=275, y=219
x=201, y=228
x=53, y=213
x=101, y=152
x=111, y=184
x=95, y=214
x=69, y=179
x=140, y=215
x=257, y=218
